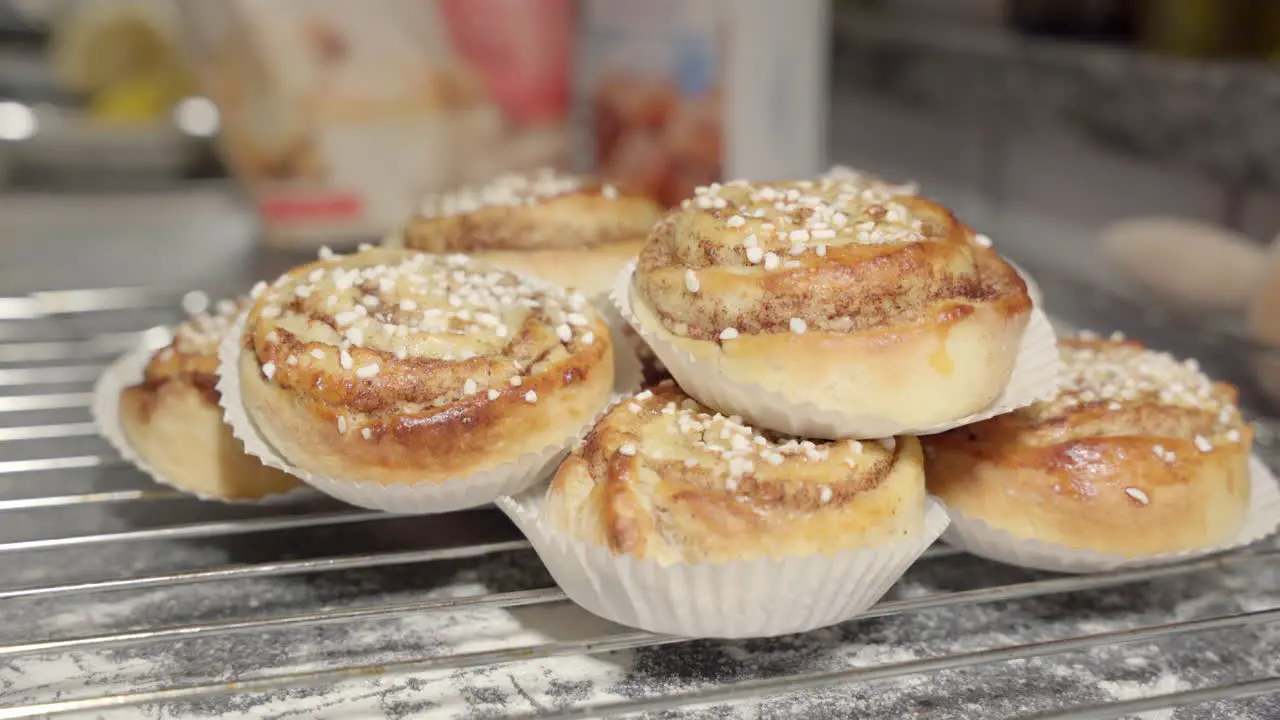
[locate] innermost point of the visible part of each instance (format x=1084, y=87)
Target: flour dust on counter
x=540, y=686
x=1163, y=684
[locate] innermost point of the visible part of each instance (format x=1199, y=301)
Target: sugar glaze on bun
x=400, y=367
x=838, y=294
x=663, y=478
x=1140, y=453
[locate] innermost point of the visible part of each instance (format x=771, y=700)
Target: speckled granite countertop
x=1216, y=117
x=532, y=685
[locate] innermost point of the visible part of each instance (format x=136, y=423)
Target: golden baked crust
x=173, y=420
x=591, y=270
x=836, y=294
x=1138, y=454
x=572, y=230
x=539, y=211
x=662, y=478
x=395, y=366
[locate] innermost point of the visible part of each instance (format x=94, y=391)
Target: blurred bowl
x=64, y=142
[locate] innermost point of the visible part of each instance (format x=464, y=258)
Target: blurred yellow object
x=1208, y=28
x=135, y=99
x=124, y=54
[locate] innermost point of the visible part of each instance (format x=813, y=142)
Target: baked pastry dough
x=1138, y=454
x=663, y=478
x=575, y=231
x=845, y=174
x=853, y=176
x=835, y=294
x=174, y=423
x=399, y=367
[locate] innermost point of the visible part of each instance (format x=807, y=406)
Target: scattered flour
x=544, y=685
x=1163, y=684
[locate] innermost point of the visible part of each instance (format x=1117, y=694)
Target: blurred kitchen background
x=1126, y=152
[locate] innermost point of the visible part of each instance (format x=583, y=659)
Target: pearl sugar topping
x=509, y=190
x=743, y=447
x=854, y=176
x=1126, y=373
x=809, y=216
x=201, y=333
x=431, y=306
x=438, y=306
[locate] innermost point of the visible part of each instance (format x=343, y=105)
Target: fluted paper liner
x=128, y=370
x=422, y=498
x=1034, y=377
x=619, y=330
x=741, y=599
x=980, y=538
x=623, y=334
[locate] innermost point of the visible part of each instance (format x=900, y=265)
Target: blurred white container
x=680, y=93
x=339, y=116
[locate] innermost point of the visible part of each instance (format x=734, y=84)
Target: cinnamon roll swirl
x=572, y=230
x=663, y=478
x=845, y=174
x=1138, y=454
x=399, y=367
x=836, y=294
x=173, y=421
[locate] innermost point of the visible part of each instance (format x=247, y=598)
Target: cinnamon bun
x=173, y=422
x=1138, y=454
x=663, y=478
x=836, y=294
x=575, y=231
x=392, y=366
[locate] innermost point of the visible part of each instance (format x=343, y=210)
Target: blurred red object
x=524, y=59
x=658, y=141
x=682, y=93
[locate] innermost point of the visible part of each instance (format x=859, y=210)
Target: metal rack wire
x=51, y=468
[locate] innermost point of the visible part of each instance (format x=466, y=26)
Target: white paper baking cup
x=619, y=329
x=741, y=599
x=982, y=539
x=1034, y=377
x=128, y=370
x=419, y=498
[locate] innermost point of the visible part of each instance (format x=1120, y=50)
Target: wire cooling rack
x=120, y=598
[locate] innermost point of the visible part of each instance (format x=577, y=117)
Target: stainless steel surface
x=120, y=598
